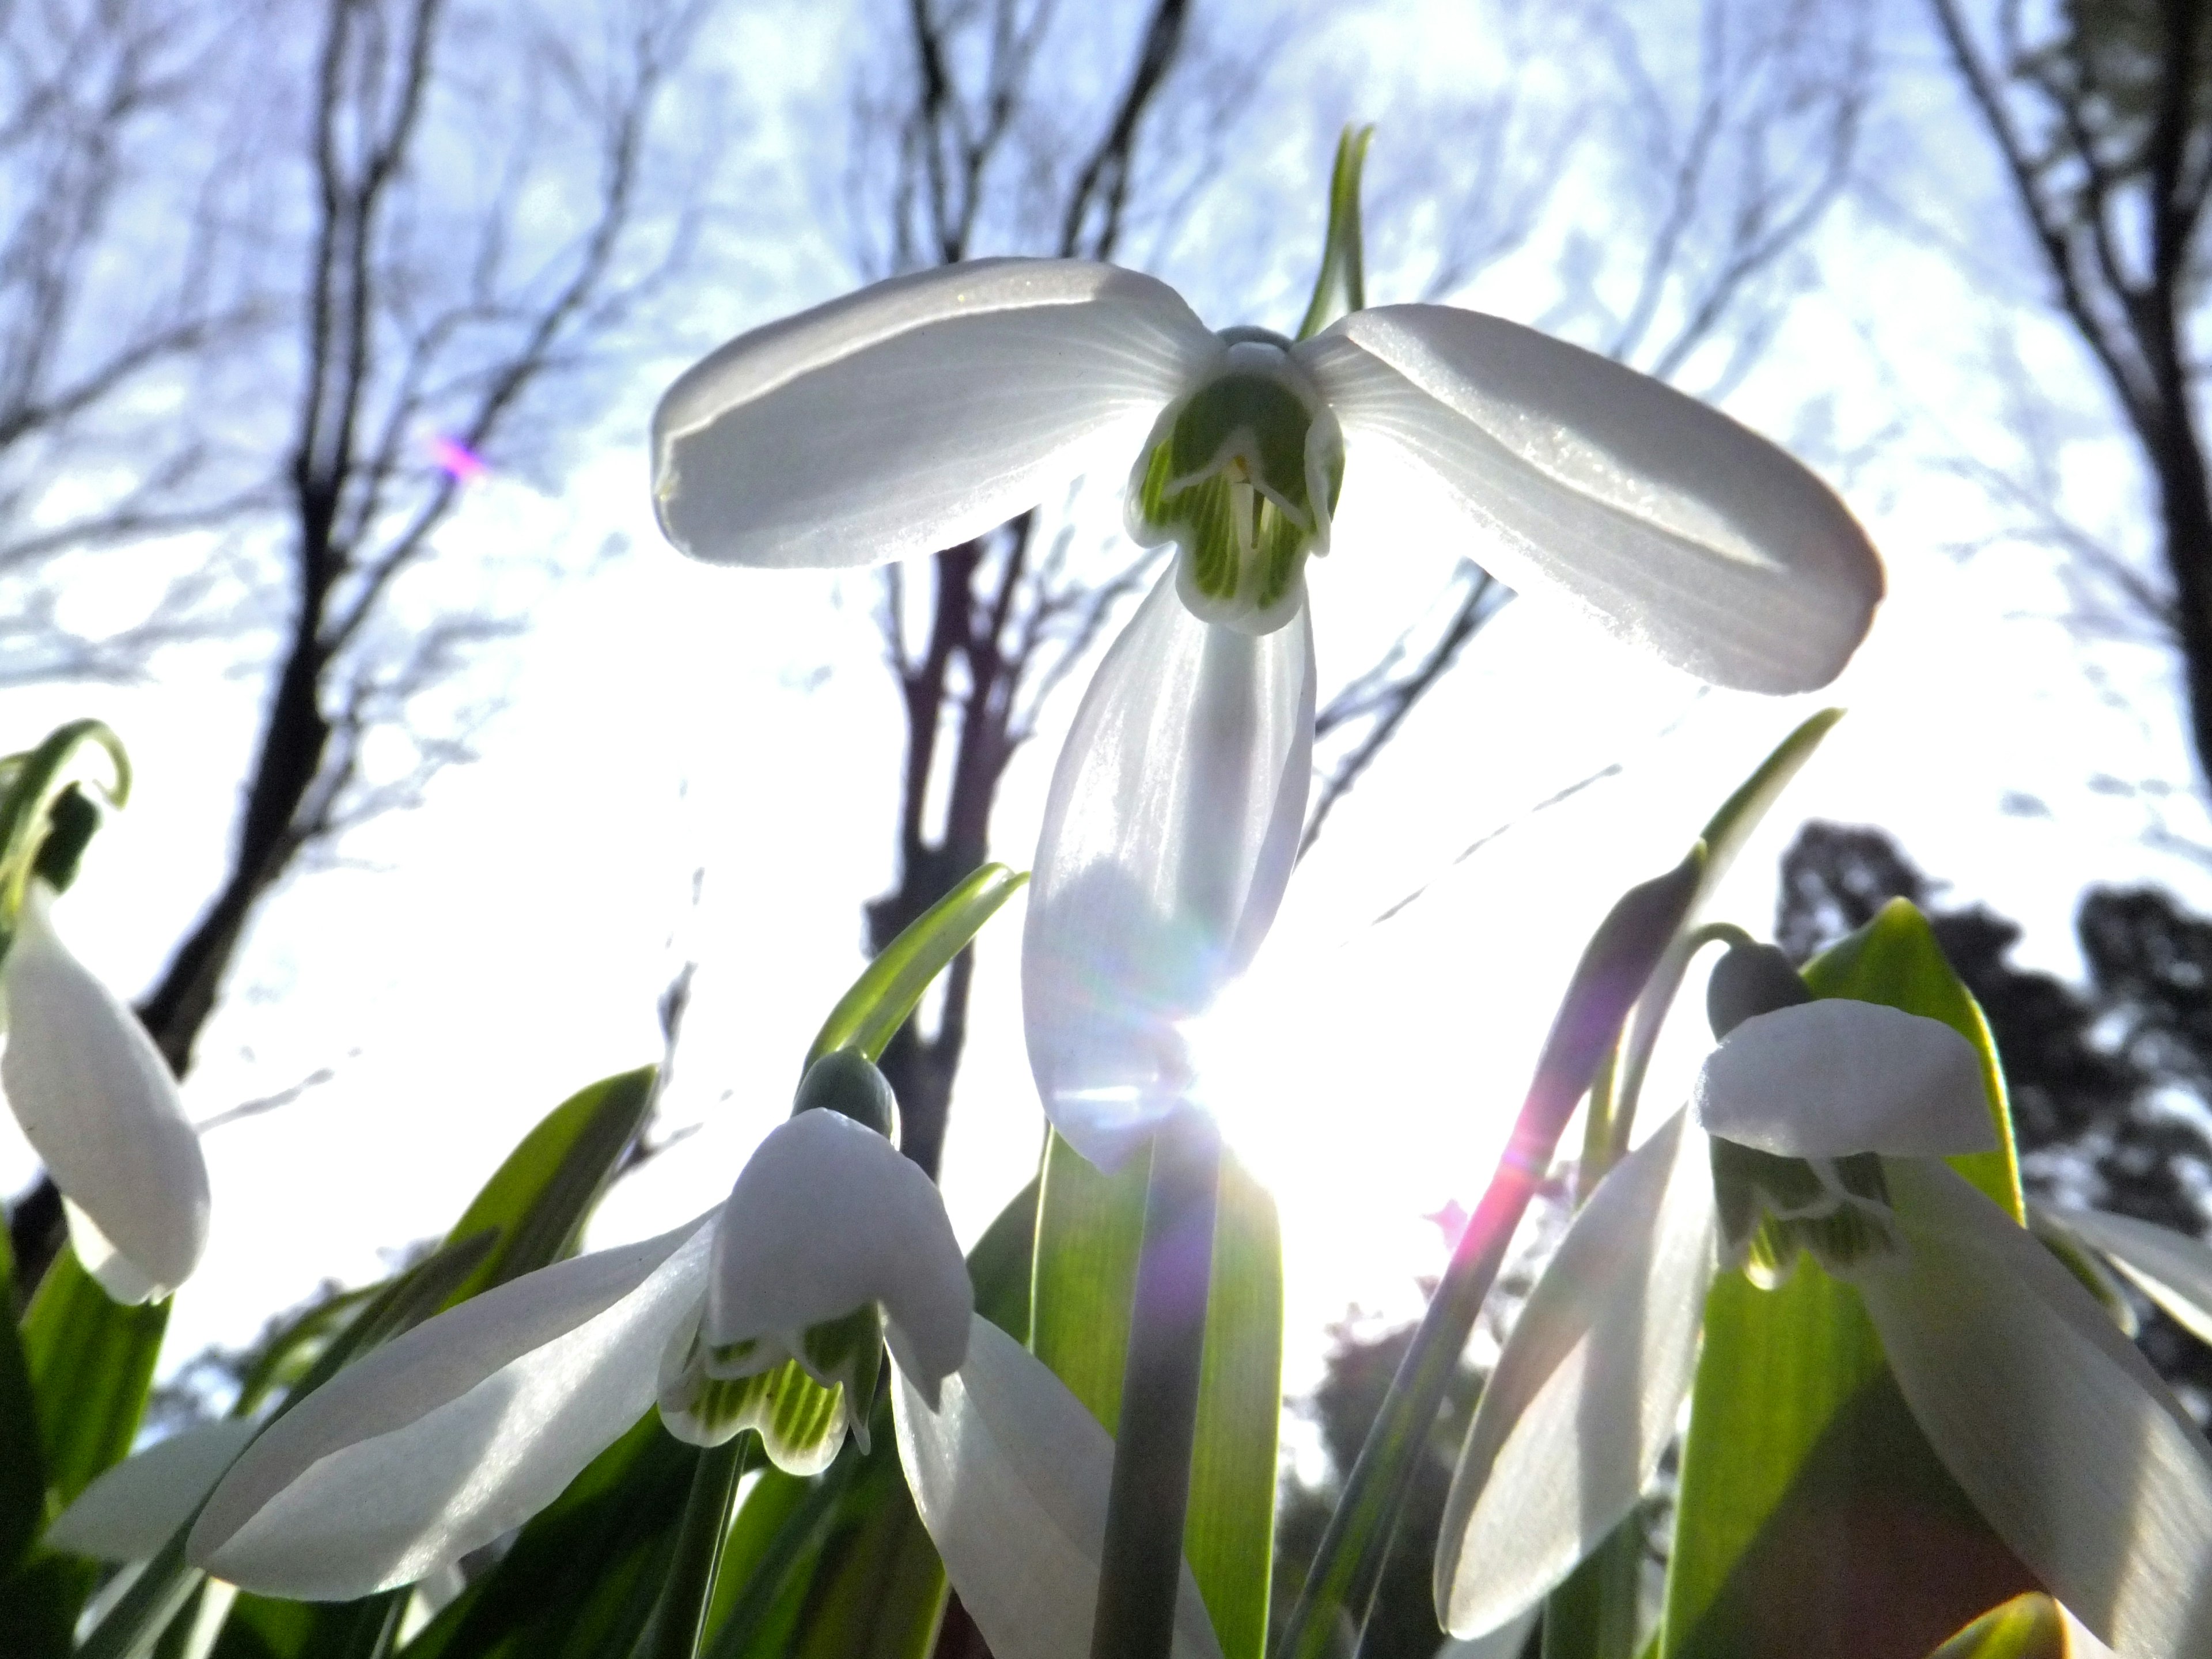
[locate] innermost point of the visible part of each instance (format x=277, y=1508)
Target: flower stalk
x=680, y=1619
x=1140, y=1569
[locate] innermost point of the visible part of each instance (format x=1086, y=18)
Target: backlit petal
x=1662, y=520
x=445, y=1438
x=1169, y=836
x=1835, y=1076
x=916, y=413
x=130, y=1510
x=2048, y=1418
x=2171, y=1269
x=826, y=1217
x=98, y=1106
x=1572, y=1424
x=1010, y=1474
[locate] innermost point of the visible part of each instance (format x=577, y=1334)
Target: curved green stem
x=1612, y=972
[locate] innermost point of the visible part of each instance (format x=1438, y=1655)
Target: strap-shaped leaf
x=88, y=1363
x=538, y=1200
x=22, y=1465
x=1089, y=1228
x=1895, y=960
x=1340, y=285
x=866, y=1017
x=1724, y=834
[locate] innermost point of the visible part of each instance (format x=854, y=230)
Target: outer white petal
x=98, y=1106
x=916, y=413
x=128, y=1513
x=2048, y=1418
x=1836, y=1076
x=1572, y=1422
x=1506, y=1642
x=1169, y=835
x=826, y=1217
x=448, y=1436
x=1660, y=518
x=2171, y=1269
x=1010, y=1474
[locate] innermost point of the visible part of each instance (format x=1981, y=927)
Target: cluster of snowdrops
x=1915, y=1414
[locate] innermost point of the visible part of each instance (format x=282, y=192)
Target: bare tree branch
x=1734, y=186
x=2101, y=113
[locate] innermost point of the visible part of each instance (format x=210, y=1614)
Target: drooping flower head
x=1818, y=1129
x=922, y=412
x=769, y=1314
x=92, y=1094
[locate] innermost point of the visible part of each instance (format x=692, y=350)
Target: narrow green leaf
x=23, y=1467
x=1894, y=959
x=879, y=1591
x=678, y=1621
x=1593, y=1615
x=1810, y=1501
x=1340, y=285
x=866, y=1017
x=1000, y=1267
x=1724, y=834
x=88, y=1363
x=292, y=1350
x=2027, y=1627
x=769, y=1559
x=1089, y=1229
x=538, y=1200
x=91, y=1361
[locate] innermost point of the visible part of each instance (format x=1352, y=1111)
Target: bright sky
x=476, y=961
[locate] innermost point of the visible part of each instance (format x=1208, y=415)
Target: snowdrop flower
x=467, y=1425
x=1822, y=1126
x=923, y=411
x=98, y=1104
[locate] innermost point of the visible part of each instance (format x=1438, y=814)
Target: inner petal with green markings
x=1835, y=1209
x=1242, y=475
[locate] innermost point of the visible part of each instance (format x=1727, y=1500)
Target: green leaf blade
x=1090, y=1227
x=868, y=1016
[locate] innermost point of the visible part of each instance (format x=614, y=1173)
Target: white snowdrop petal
x=1010, y=1474
x=129, y=1511
x=2048, y=1418
x=1169, y=836
x=2173, y=1270
x=826, y=1217
x=448, y=1436
x=1662, y=519
x=1572, y=1421
x=112, y=1271
x=1508, y=1641
x=917, y=413
x=1835, y=1076
x=97, y=1102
